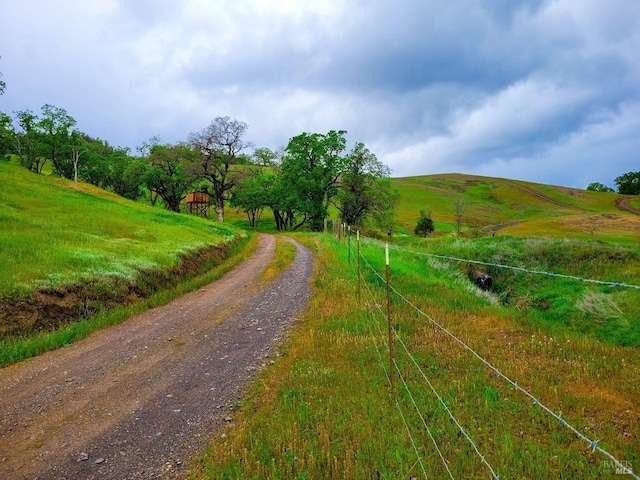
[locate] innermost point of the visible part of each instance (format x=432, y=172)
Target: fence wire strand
x=508, y=267
x=593, y=444
x=424, y=422
x=453, y=418
x=406, y=426
x=447, y=409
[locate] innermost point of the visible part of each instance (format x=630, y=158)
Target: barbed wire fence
x=392, y=369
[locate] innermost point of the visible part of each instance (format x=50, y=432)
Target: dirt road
x=134, y=400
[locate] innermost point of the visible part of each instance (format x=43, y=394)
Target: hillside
x=511, y=207
x=68, y=248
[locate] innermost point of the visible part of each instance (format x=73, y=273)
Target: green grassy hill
x=72, y=247
x=510, y=207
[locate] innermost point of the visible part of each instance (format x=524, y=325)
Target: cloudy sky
x=545, y=91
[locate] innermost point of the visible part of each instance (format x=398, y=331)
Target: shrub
x=425, y=224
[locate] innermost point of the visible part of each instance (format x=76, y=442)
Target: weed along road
x=134, y=400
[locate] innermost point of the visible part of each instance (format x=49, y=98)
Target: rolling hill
x=510, y=207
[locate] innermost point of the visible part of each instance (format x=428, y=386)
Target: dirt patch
x=48, y=309
x=137, y=399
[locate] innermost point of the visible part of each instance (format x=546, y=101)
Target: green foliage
x=629, y=183
x=252, y=194
x=29, y=145
x=126, y=174
x=329, y=387
x=360, y=193
x=168, y=173
x=55, y=124
x=310, y=170
x=384, y=213
x=264, y=157
x=554, y=304
x=424, y=226
x=599, y=187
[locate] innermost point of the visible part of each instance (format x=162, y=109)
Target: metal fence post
x=391, y=357
x=358, y=253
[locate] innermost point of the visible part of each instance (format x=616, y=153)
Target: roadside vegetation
x=71, y=250
x=284, y=256
x=14, y=349
x=326, y=410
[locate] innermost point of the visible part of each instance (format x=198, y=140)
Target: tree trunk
x=220, y=209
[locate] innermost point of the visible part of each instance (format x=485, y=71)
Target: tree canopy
x=599, y=187
x=629, y=183
x=298, y=183
x=361, y=191
x=167, y=173
x=311, y=168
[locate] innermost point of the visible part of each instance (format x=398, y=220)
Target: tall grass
x=550, y=303
x=325, y=408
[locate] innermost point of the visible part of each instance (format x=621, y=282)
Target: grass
x=547, y=302
x=54, y=232
x=284, y=256
x=325, y=409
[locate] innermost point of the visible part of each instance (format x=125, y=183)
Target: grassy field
x=510, y=207
x=326, y=409
x=56, y=232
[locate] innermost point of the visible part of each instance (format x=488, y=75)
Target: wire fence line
x=438, y=396
x=593, y=444
x=424, y=422
x=507, y=267
x=406, y=425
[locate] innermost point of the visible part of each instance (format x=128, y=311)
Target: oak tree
x=55, y=125
x=360, y=193
x=168, y=174
x=217, y=147
x=311, y=167
x=629, y=183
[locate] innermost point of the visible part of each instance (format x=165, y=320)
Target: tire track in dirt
x=624, y=204
x=540, y=195
x=141, y=396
